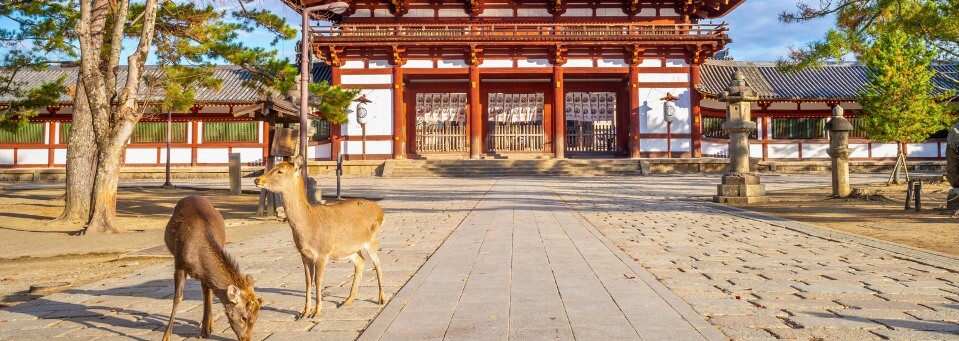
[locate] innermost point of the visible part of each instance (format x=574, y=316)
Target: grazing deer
x=195, y=236
x=325, y=232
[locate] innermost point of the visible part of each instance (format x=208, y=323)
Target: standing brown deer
x=324, y=232
x=195, y=236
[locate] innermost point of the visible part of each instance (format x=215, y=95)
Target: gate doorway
x=439, y=123
x=516, y=122
x=597, y=118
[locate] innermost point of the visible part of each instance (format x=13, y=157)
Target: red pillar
x=559, y=113
x=335, y=137
x=476, y=115
x=696, y=126
x=399, y=115
x=633, y=111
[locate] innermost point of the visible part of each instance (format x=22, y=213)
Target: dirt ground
x=880, y=215
x=33, y=249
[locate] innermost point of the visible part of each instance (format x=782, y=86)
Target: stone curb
x=707, y=330
x=925, y=257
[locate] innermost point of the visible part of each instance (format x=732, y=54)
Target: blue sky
x=754, y=27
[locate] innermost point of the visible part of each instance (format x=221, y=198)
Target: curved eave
x=712, y=96
x=716, y=8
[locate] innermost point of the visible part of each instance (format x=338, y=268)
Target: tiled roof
x=233, y=90
x=832, y=82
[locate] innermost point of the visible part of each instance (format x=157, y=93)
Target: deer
x=195, y=236
x=322, y=233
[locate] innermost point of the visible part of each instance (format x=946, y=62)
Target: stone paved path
x=756, y=280
x=524, y=266
x=138, y=306
x=541, y=259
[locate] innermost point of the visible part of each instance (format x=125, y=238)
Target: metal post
x=363, y=128
x=917, y=193
x=304, y=83
x=669, y=140
x=169, y=136
x=339, y=173
x=908, y=195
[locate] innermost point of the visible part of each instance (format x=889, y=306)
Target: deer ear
x=298, y=162
x=233, y=294
x=262, y=302
x=249, y=280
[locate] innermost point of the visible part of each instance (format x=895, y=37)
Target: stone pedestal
x=741, y=188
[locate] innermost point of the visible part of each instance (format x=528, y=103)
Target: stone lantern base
x=741, y=188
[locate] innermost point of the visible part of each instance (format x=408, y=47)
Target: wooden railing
x=591, y=137
x=439, y=139
x=516, y=138
x=515, y=31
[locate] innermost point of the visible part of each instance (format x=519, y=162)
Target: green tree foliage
x=900, y=103
x=334, y=101
x=29, y=45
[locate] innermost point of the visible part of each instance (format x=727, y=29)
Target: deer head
x=283, y=178
x=242, y=307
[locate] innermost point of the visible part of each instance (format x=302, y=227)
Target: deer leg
x=375, y=257
x=179, y=276
x=206, y=327
x=318, y=270
x=358, y=263
x=308, y=273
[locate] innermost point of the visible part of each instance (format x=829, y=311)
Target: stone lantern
x=739, y=184
x=839, y=151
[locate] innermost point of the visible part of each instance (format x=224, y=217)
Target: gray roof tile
x=832, y=82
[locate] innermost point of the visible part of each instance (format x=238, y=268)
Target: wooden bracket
x=557, y=54
x=634, y=54
x=397, y=55
x=474, y=55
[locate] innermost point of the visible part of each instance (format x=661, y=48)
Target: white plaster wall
x=32, y=156
x=579, y=63
x=141, y=156
x=922, y=149
x=453, y=12
x=321, y=151
x=451, y=64
x=681, y=145
x=533, y=12
x=676, y=63
x=783, y=151
x=372, y=147
x=651, y=110
x=712, y=104
x=755, y=150
x=177, y=155
x=859, y=151
x=380, y=114
x=650, y=63
x=353, y=64
x=647, y=12
x=611, y=63
x=382, y=13
x=884, y=150
x=497, y=12
x=212, y=155
x=199, y=135
x=713, y=148
x=652, y=145
x=668, y=12
x=578, y=12
x=533, y=63
x=380, y=64
x=418, y=64
x=367, y=79
x=249, y=154
x=818, y=150
x=362, y=13
x=663, y=77
x=6, y=156
x=496, y=63
x=60, y=156
x=610, y=12
x=420, y=13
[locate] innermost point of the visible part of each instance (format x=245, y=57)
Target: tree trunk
x=103, y=217
x=81, y=163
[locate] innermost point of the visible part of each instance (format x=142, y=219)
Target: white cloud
x=759, y=36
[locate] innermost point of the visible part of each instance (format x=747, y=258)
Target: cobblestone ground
x=755, y=280
x=420, y=215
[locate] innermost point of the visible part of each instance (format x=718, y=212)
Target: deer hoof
x=303, y=314
x=346, y=303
